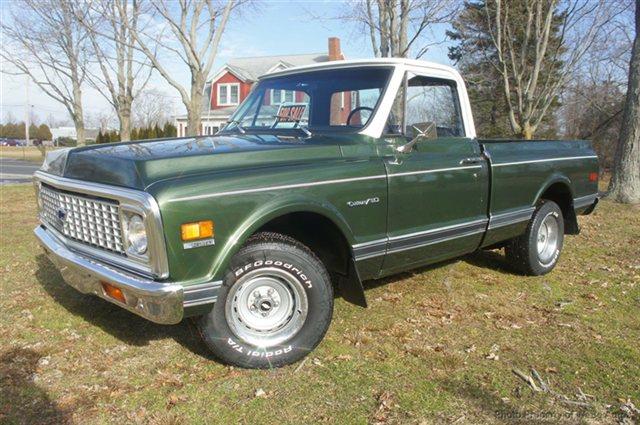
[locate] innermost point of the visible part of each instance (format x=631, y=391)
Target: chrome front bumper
x=159, y=302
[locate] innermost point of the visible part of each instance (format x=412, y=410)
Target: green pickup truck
x=370, y=168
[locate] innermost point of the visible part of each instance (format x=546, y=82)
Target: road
x=16, y=171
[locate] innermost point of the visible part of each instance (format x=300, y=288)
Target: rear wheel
x=274, y=307
x=536, y=252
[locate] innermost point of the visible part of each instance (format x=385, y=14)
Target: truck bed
x=522, y=171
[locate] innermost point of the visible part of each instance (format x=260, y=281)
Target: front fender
x=278, y=207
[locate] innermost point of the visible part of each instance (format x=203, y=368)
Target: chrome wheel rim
x=547, y=240
x=266, y=307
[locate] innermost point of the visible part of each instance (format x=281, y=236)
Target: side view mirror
x=423, y=131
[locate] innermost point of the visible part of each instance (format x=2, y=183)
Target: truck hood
x=140, y=164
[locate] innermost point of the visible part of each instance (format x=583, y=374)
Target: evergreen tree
x=20, y=134
x=151, y=133
x=10, y=131
x=15, y=131
x=169, y=130
x=33, y=131
x=44, y=133
x=134, y=134
x=158, y=131
x=99, y=137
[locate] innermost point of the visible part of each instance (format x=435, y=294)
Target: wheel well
x=318, y=233
x=561, y=195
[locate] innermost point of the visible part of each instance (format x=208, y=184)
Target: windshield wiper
x=238, y=126
x=304, y=129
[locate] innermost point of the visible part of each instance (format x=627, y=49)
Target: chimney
x=335, y=54
x=337, y=111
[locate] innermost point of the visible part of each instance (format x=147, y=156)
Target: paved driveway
x=16, y=171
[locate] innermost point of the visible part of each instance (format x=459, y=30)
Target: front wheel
x=274, y=307
x=536, y=252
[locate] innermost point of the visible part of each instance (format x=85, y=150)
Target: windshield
x=335, y=99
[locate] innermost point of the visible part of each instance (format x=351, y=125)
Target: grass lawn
x=25, y=153
x=436, y=345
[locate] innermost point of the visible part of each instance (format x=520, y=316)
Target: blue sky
x=265, y=28
x=279, y=27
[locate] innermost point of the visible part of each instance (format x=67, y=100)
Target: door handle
x=472, y=160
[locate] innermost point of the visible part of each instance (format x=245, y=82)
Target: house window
x=281, y=96
x=276, y=97
x=228, y=94
x=288, y=96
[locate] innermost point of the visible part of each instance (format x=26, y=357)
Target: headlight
x=136, y=235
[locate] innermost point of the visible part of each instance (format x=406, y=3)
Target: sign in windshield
x=290, y=114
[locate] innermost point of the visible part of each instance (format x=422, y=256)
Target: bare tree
x=110, y=26
x=45, y=41
x=152, y=107
x=196, y=27
x=396, y=28
x=592, y=109
x=9, y=118
x=104, y=120
x=537, y=47
x=625, y=181
x=592, y=102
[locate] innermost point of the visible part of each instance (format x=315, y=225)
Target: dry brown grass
x=436, y=345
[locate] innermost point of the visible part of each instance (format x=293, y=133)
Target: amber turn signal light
x=197, y=230
x=593, y=177
x=113, y=292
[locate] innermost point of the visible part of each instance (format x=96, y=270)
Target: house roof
x=250, y=69
x=213, y=114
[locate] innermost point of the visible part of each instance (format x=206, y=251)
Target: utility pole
x=27, y=110
x=26, y=118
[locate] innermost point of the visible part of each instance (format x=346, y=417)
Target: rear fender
x=566, y=202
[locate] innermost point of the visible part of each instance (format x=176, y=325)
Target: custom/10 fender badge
x=198, y=244
x=364, y=202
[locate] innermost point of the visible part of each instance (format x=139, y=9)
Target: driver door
x=438, y=189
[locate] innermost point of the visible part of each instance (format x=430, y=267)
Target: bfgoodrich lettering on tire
x=536, y=252
x=274, y=307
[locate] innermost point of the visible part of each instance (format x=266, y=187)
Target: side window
x=432, y=105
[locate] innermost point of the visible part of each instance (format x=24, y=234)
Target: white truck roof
x=365, y=62
x=401, y=66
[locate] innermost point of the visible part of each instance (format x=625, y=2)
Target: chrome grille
x=92, y=221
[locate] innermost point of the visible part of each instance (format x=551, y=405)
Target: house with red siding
x=233, y=82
